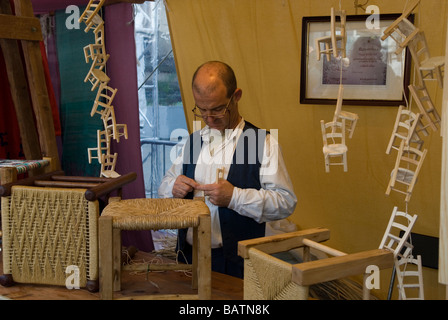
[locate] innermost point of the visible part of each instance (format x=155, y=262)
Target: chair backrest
x=108, y=163
x=395, y=238
x=104, y=98
x=333, y=132
x=419, y=49
x=425, y=105
x=410, y=278
x=405, y=128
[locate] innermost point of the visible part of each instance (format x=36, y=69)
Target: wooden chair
x=91, y=13
x=50, y=222
x=424, y=103
x=95, y=50
x=407, y=168
x=333, y=135
x=402, y=31
x=410, y=278
x=405, y=129
x=96, y=75
x=155, y=214
x=335, y=43
x=351, y=119
x=426, y=66
x=110, y=124
x=108, y=163
x=266, y=277
x=103, y=146
x=397, y=233
x=103, y=101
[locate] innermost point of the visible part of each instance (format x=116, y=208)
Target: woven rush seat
x=154, y=214
x=46, y=230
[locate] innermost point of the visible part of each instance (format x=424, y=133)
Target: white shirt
x=274, y=201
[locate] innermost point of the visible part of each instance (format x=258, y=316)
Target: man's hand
x=219, y=193
x=183, y=185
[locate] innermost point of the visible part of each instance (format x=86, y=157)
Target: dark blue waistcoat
x=244, y=173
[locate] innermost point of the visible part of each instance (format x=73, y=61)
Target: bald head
x=211, y=75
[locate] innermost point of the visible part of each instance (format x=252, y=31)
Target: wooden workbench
x=167, y=282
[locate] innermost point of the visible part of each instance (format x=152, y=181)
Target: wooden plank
x=282, y=242
x=323, y=270
x=443, y=228
x=38, y=89
x=19, y=92
x=20, y=28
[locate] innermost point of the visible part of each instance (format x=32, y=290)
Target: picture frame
x=381, y=79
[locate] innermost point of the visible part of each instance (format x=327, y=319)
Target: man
x=254, y=187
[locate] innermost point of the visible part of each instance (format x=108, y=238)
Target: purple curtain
x=122, y=70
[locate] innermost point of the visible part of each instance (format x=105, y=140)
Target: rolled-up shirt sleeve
x=276, y=199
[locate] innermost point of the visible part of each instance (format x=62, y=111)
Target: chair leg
x=194, y=257
x=105, y=257
x=116, y=248
x=204, y=258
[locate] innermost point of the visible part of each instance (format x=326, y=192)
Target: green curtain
x=78, y=127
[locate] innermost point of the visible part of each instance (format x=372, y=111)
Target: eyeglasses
x=217, y=113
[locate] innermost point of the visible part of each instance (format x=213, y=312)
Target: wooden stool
x=154, y=214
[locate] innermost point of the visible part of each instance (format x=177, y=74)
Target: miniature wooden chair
x=96, y=75
x=424, y=103
x=407, y=168
x=427, y=67
x=103, y=101
x=410, y=278
x=91, y=12
x=266, y=277
x=338, y=35
x=108, y=163
x=50, y=223
x=155, y=214
x=333, y=134
x=351, y=119
x=110, y=123
x=398, y=230
x=402, y=31
x=95, y=50
x=405, y=129
x=103, y=146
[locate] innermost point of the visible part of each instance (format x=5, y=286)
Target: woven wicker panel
x=47, y=229
x=269, y=278
x=155, y=214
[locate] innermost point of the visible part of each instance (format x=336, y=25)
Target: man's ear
x=238, y=94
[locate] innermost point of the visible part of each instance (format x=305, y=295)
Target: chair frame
x=405, y=128
x=330, y=150
x=427, y=67
x=402, y=274
x=425, y=106
x=407, y=156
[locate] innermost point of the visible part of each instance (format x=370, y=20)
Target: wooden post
x=443, y=236
x=106, y=259
x=38, y=88
x=18, y=84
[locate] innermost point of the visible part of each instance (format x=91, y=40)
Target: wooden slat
x=323, y=270
x=20, y=28
x=65, y=184
x=282, y=242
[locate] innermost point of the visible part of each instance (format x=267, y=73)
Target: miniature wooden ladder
x=24, y=26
